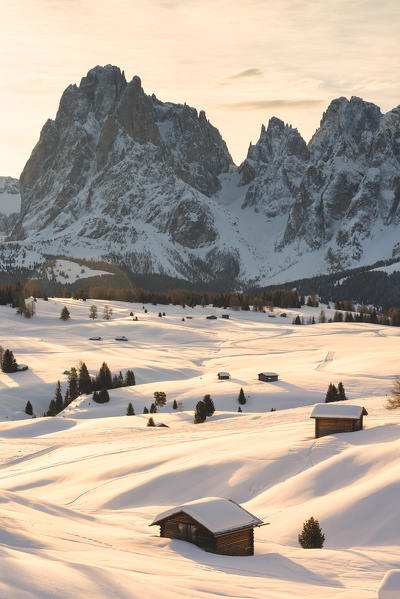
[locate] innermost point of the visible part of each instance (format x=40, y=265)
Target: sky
x=242, y=61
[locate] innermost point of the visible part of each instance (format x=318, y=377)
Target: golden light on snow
x=242, y=62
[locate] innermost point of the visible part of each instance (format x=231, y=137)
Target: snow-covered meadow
x=79, y=490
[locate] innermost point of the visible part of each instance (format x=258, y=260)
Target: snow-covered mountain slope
x=10, y=204
x=151, y=187
x=79, y=490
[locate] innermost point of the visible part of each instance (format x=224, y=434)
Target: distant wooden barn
x=331, y=418
x=214, y=524
x=223, y=376
x=267, y=377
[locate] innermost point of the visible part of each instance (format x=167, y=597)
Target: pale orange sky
x=242, y=61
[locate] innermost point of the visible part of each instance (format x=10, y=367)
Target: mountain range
x=151, y=187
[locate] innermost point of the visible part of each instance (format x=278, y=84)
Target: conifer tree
x=120, y=380
x=104, y=379
x=84, y=381
x=153, y=408
x=311, y=537
x=129, y=378
x=103, y=396
x=200, y=414
x=59, y=398
x=240, y=409
x=93, y=312
x=107, y=313
x=160, y=398
x=322, y=316
x=28, y=408
x=241, y=397
x=9, y=363
x=73, y=384
x=297, y=320
x=175, y=405
x=393, y=401
x=150, y=422
x=52, y=411
x=341, y=392
x=210, y=409
x=95, y=396
x=331, y=394
x=65, y=315
x=67, y=399
x=130, y=411
x=145, y=410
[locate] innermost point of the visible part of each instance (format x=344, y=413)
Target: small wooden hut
x=331, y=418
x=224, y=376
x=267, y=377
x=214, y=524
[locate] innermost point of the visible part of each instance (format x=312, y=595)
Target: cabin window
x=187, y=532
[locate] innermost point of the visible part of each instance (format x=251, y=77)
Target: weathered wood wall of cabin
x=330, y=426
x=169, y=528
x=240, y=542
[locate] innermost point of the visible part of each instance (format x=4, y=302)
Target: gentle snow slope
x=79, y=491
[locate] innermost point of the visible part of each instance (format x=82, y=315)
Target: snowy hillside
x=79, y=490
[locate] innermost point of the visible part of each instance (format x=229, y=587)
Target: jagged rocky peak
x=105, y=131
x=277, y=142
x=193, y=141
x=97, y=93
x=274, y=167
x=352, y=185
x=347, y=124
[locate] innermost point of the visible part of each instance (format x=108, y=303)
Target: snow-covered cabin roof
x=338, y=410
x=216, y=514
x=223, y=374
x=268, y=373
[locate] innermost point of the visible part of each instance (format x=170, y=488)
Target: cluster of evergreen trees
x=204, y=408
x=335, y=393
x=283, y=298
x=160, y=399
x=7, y=361
x=80, y=382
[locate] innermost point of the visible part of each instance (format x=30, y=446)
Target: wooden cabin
x=332, y=418
x=226, y=316
x=267, y=377
x=216, y=525
x=224, y=376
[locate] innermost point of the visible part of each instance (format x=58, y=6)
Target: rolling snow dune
x=78, y=491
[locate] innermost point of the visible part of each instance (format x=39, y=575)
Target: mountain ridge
x=151, y=186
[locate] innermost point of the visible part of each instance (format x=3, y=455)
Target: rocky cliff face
x=151, y=186
x=345, y=191
x=10, y=203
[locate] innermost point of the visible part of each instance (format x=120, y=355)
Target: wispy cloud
x=265, y=104
x=247, y=73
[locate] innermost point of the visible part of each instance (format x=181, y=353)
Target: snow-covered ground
x=78, y=491
x=66, y=271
